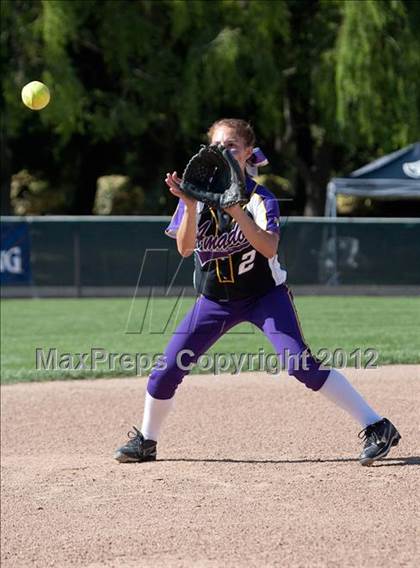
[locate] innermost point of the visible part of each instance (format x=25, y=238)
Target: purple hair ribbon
x=257, y=160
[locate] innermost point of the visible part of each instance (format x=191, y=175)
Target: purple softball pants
x=273, y=313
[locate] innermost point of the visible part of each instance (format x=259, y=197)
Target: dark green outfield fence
x=88, y=256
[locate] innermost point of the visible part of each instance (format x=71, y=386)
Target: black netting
x=104, y=253
x=362, y=253
x=113, y=253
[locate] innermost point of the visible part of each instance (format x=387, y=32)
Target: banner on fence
x=15, y=265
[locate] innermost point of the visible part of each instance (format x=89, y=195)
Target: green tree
x=135, y=84
x=353, y=90
x=378, y=74
x=18, y=54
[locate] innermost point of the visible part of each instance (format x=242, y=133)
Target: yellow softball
x=35, y=95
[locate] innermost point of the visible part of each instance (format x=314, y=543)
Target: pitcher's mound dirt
x=253, y=470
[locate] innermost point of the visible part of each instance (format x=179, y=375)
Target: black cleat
x=137, y=449
x=378, y=440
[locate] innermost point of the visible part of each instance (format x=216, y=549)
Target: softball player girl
x=238, y=279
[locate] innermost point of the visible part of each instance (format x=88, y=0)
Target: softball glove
x=214, y=177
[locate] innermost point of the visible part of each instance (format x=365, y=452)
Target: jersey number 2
x=247, y=261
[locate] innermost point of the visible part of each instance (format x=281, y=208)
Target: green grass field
x=388, y=325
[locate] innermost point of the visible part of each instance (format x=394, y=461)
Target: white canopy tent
x=395, y=176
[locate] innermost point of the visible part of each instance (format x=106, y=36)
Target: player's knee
x=308, y=370
x=165, y=379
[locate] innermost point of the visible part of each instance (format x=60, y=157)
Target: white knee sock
x=155, y=412
x=339, y=390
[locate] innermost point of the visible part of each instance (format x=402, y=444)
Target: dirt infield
x=253, y=470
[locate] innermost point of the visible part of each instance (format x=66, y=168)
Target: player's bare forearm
x=187, y=231
x=264, y=242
